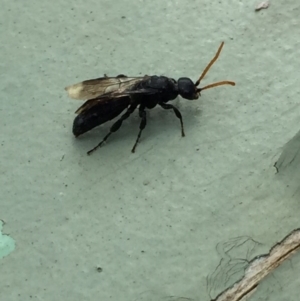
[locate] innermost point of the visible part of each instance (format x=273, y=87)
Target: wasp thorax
x=186, y=88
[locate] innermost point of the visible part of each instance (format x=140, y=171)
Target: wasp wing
x=94, y=88
x=125, y=91
x=111, y=97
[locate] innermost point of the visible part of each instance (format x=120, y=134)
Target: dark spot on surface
x=99, y=269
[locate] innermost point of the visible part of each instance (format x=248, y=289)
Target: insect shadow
x=107, y=97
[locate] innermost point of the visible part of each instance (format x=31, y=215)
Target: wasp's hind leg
x=177, y=113
x=115, y=126
x=142, y=114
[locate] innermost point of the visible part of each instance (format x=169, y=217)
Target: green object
x=7, y=244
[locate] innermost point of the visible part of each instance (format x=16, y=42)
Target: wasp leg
x=142, y=114
x=115, y=126
x=177, y=113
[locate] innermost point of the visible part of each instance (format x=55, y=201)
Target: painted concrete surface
x=288, y=166
x=145, y=226
x=7, y=244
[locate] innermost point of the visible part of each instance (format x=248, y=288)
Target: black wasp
x=108, y=97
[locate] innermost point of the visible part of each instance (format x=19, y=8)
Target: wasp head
x=187, y=88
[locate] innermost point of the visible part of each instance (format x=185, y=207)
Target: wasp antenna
x=209, y=65
x=224, y=82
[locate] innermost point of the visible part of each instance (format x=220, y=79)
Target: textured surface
x=150, y=220
x=7, y=244
x=288, y=166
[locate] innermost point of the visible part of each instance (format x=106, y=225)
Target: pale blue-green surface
x=151, y=220
x=7, y=244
